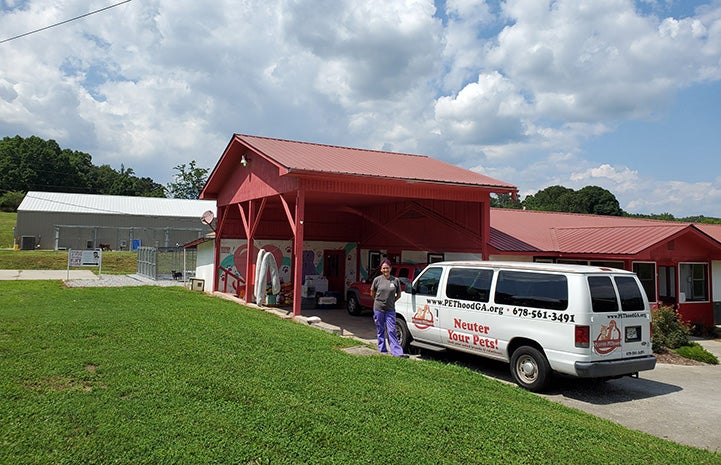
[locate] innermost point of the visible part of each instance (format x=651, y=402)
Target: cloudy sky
x=621, y=94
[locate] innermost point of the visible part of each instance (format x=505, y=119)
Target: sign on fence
x=85, y=258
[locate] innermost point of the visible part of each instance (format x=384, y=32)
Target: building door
x=667, y=285
x=334, y=270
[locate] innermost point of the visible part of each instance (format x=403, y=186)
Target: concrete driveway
x=675, y=402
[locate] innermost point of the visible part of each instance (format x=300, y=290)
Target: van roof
x=535, y=266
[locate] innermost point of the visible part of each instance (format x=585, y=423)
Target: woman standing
x=385, y=290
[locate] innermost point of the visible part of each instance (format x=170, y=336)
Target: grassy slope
x=165, y=375
x=7, y=223
x=113, y=262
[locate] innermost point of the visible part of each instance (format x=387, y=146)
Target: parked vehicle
x=590, y=322
x=358, y=295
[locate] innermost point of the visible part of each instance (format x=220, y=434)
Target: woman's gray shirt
x=386, y=291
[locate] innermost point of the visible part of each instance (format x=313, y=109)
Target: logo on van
x=608, y=339
x=423, y=318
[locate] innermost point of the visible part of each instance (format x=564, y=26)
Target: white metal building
x=56, y=220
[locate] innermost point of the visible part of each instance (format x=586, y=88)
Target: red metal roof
x=298, y=157
x=712, y=230
x=531, y=231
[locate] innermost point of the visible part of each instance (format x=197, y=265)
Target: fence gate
x=165, y=263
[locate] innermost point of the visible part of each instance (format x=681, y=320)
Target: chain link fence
x=166, y=263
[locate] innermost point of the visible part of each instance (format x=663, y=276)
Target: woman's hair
x=386, y=262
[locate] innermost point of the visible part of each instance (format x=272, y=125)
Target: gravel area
x=121, y=280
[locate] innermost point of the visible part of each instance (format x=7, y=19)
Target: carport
x=275, y=189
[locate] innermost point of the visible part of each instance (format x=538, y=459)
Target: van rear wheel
x=530, y=369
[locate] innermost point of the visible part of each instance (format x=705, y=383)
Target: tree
x=35, y=164
x=550, y=199
x=590, y=199
x=10, y=201
x=598, y=201
x=189, y=181
x=505, y=201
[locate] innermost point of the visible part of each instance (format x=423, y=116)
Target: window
x=435, y=257
x=538, y=290
x=630, y=293
x=646, y=273
x=469, y=284
x=603, y=296
x=617, y=265
x=427, y=283
x=693, y=281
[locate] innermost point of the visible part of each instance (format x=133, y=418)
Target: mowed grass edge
x=165, y=375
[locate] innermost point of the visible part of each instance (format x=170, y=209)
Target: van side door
x=466, y=319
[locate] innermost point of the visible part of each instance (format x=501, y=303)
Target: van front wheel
x=404, y=336
x=530, y=369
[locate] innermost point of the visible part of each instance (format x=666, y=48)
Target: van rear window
x=631, y=297
x=603, y=295
x=537, y=290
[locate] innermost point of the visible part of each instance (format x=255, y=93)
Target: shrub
x=669, y=330
x=696, y=352
x=10, y=201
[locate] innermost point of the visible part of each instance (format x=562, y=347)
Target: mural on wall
x=231, y=272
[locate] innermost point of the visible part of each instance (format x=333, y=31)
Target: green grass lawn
x=154, y=375
x=7, y=223
x=113, y=262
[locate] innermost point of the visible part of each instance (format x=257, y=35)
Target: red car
x=358, y=295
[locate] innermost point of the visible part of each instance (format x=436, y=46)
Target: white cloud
x=515, y=89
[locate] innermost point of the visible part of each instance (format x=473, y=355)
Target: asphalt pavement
x=681, y=403
x=676, y=402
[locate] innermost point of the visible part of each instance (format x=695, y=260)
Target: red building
x=332, y=211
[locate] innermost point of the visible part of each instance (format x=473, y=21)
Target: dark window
x=630, y=293
x=469, y=284
x=603, y=296
x=538, y=290
x=646, y=273
x=427, y=283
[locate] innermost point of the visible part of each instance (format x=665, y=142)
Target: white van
x=590, y=322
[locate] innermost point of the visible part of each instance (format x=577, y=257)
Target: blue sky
x=621, y=94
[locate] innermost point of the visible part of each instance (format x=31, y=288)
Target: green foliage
x=694, y=351
x=505, y=201
x=10, y=201
x=669, y=331
x=164, y=375
x=32, y=163
x=189, y=181
x=590, y=199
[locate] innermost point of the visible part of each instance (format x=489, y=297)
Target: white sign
x=85, y=257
